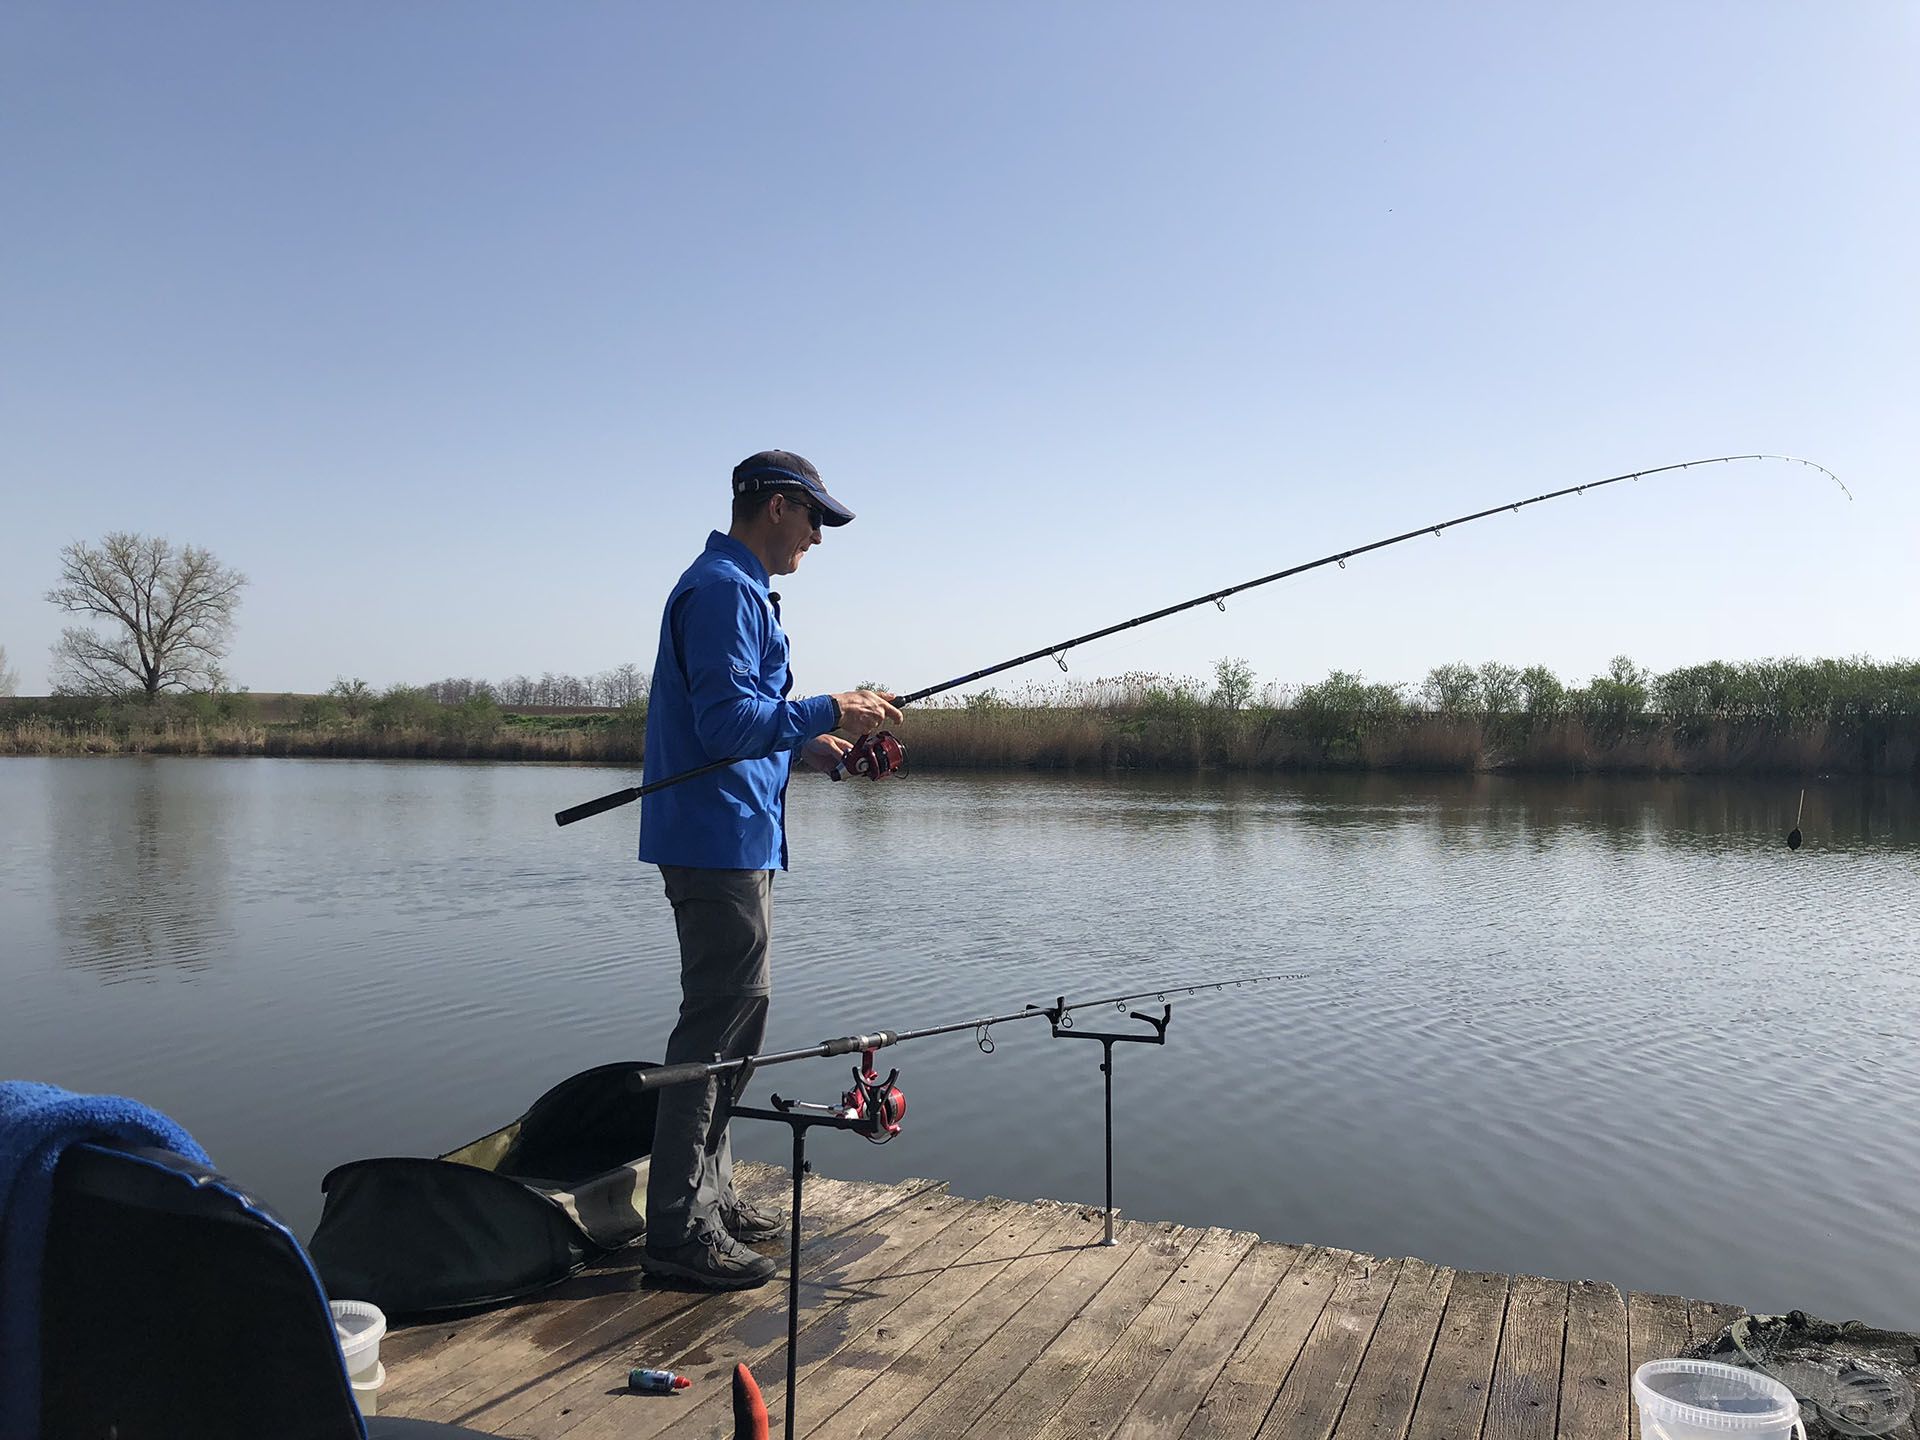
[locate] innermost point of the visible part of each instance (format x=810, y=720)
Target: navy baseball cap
x=784, y=470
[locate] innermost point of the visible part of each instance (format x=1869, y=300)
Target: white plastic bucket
x=359, y=1326
x=366, y=1393
x=1705, y=1400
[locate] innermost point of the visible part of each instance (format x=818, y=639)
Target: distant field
x=285, y=709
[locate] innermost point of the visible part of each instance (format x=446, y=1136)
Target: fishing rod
x=1060, y=1014
x=875, y=1108
x=877, y=755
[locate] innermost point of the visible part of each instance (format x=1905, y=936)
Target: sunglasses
x=816, y=516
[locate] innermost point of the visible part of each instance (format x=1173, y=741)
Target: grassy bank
x=348, y=742
x=1792, y=717
x=400, y=725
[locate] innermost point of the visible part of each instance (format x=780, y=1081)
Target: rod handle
x=656, y=1077
x=597, y=807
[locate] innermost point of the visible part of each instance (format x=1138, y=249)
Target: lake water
x=1608, y=1029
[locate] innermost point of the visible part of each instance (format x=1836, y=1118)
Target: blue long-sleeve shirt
x=720, y=684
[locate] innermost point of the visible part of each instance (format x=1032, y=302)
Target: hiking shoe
x=743, y=1222
x=711, y=1259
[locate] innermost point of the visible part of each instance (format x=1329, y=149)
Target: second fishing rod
x=875, y=1108
x=878, y=754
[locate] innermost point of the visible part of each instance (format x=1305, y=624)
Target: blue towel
x=37, y=1122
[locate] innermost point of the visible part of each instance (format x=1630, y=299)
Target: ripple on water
x=1575, y=1028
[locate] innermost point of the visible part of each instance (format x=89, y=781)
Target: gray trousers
x=724, y=918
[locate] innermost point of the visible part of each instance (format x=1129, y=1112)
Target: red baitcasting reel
x=874, y=756
x=876, y=1101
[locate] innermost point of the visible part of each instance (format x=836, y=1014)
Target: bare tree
x=9, y=677
x=458, y=689
x=169, y=614
x=561, y=691
x=623, y=685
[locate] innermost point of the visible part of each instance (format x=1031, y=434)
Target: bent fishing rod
x=875, y=756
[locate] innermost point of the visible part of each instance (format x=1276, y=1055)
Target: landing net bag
x=1852, y=1381
x=500, y=1217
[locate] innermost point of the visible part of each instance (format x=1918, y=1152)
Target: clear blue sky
x=446, y=321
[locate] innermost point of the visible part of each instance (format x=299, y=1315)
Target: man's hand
x=823, y=752
x=862, y=711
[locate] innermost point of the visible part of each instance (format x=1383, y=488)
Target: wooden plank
x=589, y=1398
x=1453, y=1393
x=403, y=1344
x=1708, y=1319
x=1103, y=1399
x=532, y=1330
x=1524, y=1400
x=930, y=1360
x=1175, y=1391
x=581, y=1313
x=1657, y=1329
x=411, y=1344
x=1053, y=1374
x=890, y=1314
x=1593, y=1364
x=521, y=1360
x=1240, y=1396
x=1380, y=1404
x=880, y=1377
x=529, y=1332
x=1316, y=1388
x=849, y=1318
x=979, y=1379
x=925, y=1315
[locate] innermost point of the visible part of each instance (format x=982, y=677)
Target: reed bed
x=1771, y=717
x=1054, y=739
x=1281, y=740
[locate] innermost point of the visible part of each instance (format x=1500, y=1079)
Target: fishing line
x=879, y=754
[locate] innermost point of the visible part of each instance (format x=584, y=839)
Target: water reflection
x=140, y=871
x=1842, y=813
x=1577, y=1027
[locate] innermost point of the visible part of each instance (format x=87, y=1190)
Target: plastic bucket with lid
x=1705, y=1400
x=359, y=1326
x=366, y=1393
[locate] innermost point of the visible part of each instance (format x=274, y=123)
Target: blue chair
x=176, y=1306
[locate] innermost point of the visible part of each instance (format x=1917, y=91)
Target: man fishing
x=720, y=686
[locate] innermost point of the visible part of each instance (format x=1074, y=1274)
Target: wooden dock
x=926, y=1315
